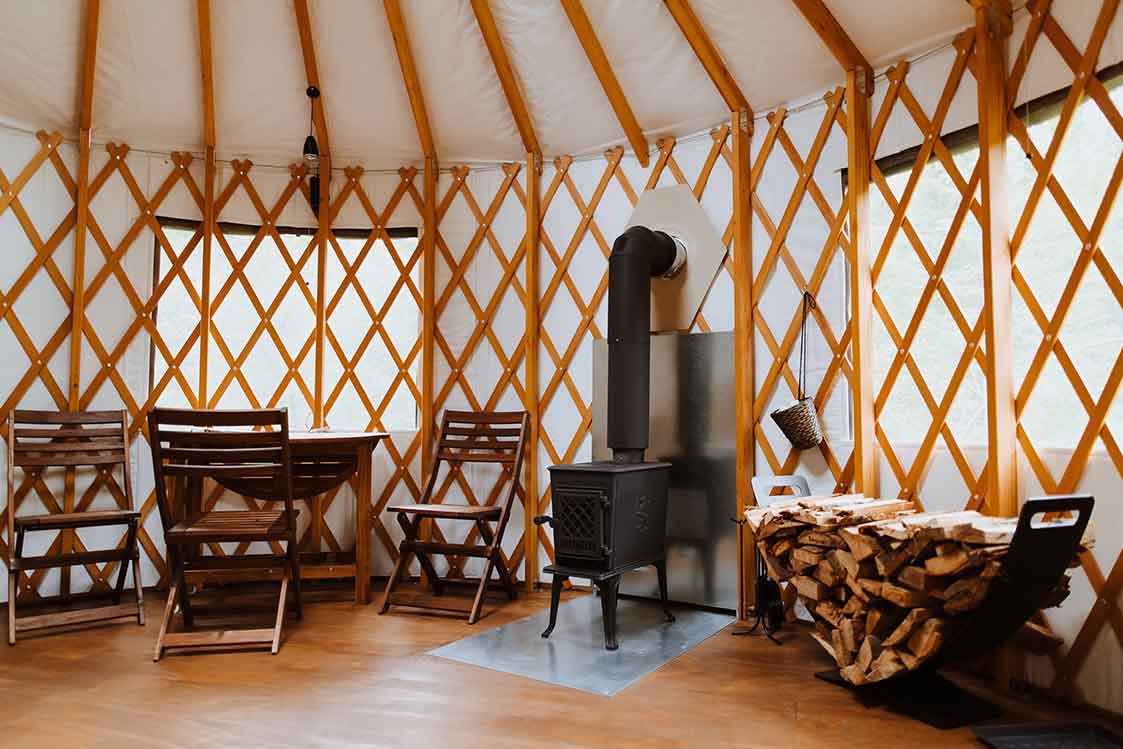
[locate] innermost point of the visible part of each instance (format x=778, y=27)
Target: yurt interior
x=561, y=373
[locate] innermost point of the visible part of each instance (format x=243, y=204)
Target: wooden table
x=322, y=461
x=352, y=452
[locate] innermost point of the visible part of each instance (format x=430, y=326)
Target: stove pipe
x=637, y=255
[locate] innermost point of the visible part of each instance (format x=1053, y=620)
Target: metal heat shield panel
x=692, y=428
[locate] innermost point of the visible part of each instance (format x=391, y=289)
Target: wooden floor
x=346, y=676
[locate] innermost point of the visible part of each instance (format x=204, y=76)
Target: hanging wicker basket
x=800, y=424
x=800, y=421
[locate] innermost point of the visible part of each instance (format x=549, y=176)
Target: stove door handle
x=543, y=520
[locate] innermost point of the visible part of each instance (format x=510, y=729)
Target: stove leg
x=661, y=568
x=555, y=598
x=608, y=590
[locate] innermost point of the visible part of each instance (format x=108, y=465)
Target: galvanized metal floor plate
x=574, y=655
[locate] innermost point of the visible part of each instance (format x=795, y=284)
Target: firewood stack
x=887, y=586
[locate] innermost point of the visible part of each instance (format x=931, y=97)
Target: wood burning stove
x=611, y=517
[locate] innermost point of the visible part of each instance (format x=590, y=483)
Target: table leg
x=363, y=504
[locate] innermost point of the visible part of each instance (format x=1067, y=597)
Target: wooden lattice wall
x=482, y=295
x=248, y=363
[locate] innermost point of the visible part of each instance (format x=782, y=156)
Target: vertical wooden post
x=745, y=386
x=323, y=229
x=209, y=177
x=533, y=225
x=206, y=76
x=78, y=306
x=78, y=300
x=861, y=281
x=993, y=25
x=428, y=311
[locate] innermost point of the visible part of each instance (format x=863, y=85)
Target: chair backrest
x=483, y=437
x=238, y=449
x=763, y=486
x=38, y=440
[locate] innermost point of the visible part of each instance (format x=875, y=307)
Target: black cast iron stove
x=611, y=517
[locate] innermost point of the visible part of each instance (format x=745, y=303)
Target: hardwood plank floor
x=348, y=677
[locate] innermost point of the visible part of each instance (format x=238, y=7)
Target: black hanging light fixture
x=312, y=152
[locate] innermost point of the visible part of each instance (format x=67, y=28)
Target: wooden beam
x=709, y=56
x=206, y=73
x=506, y=75
x=312, y=72
x=82, y=206
x=993, y=25
x=595, y=54
x=428, y=313
x=410, y=78
x=533, y=326
x=836, y=39
x=319, y=121
x=210, y=176
x=206, y=70
x=861, y=282
x=743, y=363
x=78, y=279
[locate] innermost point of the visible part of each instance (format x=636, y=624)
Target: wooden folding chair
x=247, y=450
x=39, y=440
x=466, y=437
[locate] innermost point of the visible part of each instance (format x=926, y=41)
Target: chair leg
x=13, y=594
x=412, y=531
x=400, y=566
x=123, y=566
x=181, y=587
x=504, y=573
x=294, y=572
x=279, y=623
x=477, y=604
x=139, y=587
x=169, y=612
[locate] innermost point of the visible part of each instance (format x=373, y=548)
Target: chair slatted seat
x=466, y=437
x=248, y=448
x=42, y=440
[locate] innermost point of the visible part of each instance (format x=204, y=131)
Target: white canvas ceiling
x=147, y=91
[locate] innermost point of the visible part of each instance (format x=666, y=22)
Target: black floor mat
x=1047, y=736
x=925, y=696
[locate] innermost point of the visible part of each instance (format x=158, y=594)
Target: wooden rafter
x=709, y=56
x=506, y=73
x=409, y=76
x=993, y=25
x=836, y=39
x=206, y=70
x=312, y=73
x=319, y=121
x=85, y=117
x=597, y=58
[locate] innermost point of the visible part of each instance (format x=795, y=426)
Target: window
x=263, y=307
x=1092, y=334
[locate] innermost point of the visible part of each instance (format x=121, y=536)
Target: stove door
x=580, y=529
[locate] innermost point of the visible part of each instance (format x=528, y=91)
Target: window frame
x=231, y=227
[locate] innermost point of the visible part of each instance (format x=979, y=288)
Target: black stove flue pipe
x=637, y=255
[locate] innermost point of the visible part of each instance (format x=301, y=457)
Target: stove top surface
x=606, y=466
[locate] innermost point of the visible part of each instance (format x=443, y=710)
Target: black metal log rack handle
x=544, y=520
